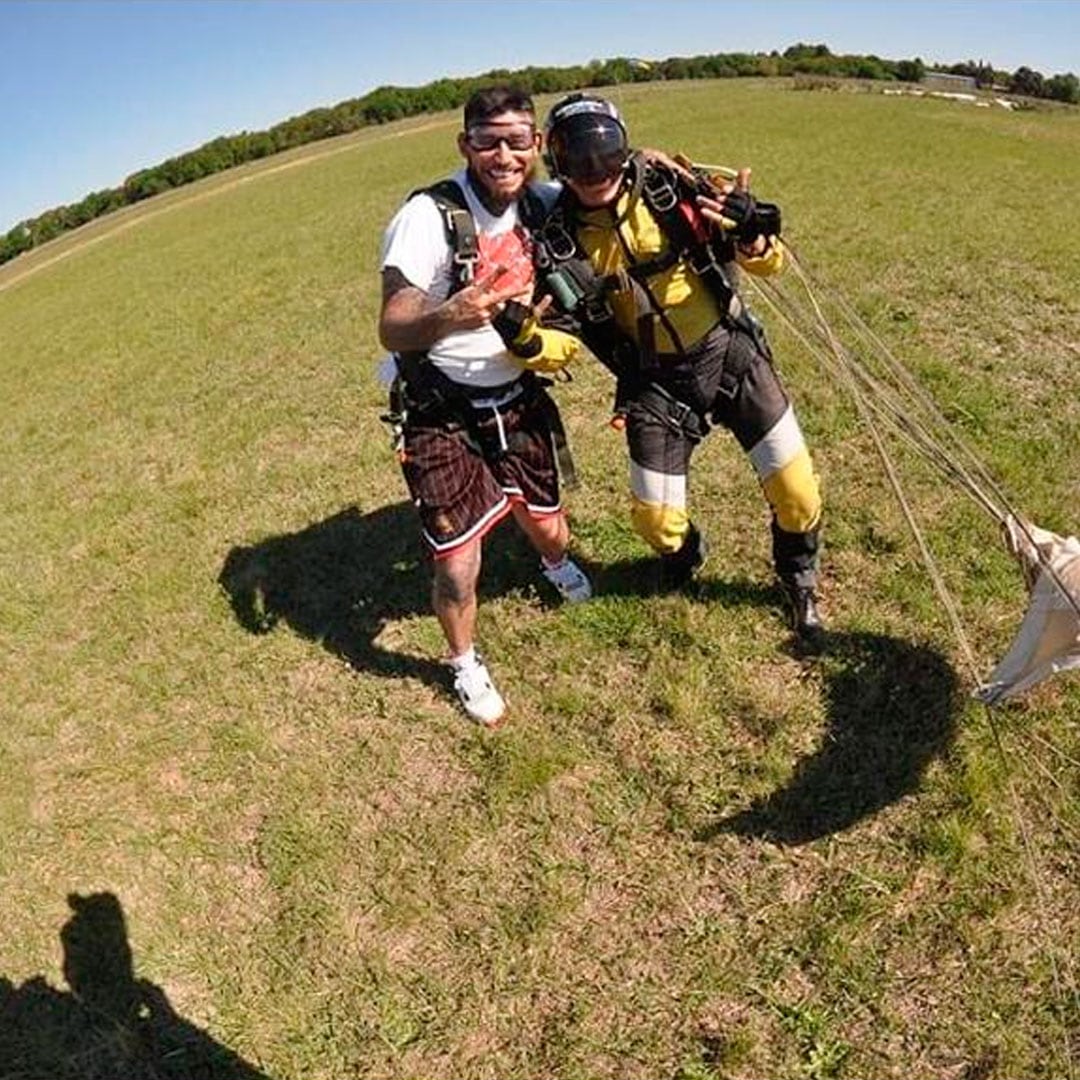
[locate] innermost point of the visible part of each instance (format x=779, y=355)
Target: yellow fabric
x=662, y=527
x=769, y=262
x=683, y=296
x=556, y=351
x=794, y=494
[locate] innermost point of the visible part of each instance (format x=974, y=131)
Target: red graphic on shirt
x=513, y=252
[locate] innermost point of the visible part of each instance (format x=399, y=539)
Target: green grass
x=691, y=854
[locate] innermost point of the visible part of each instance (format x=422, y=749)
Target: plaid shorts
x=464, y=480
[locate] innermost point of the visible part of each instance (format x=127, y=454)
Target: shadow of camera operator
x=110, y=1025
x=341, y=581
x=891, y=710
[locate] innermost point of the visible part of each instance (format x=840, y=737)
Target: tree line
x=387, y=103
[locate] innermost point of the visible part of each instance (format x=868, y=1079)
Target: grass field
x=244, y=823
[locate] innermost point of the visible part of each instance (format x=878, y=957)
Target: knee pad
x=662, y=527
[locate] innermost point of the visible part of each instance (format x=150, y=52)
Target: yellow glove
x=769, y=262
x=544, y=350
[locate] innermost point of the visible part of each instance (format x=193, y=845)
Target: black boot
x=803, y=614
x=680, y=567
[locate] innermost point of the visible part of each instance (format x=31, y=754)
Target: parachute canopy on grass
x=1049, y=637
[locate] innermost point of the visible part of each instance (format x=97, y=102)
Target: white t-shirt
x=415, y=244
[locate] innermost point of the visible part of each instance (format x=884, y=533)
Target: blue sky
x=90, y=91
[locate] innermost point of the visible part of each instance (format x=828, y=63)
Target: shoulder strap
x=459, y=226
x=531, y=209
x=671, y=201
x=553, y=234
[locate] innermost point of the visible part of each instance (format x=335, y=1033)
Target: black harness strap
x=669, y=410
x=460, y=229
x=419, y=387
x=670, y=200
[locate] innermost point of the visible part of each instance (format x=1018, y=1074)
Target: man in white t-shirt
x=478, y=429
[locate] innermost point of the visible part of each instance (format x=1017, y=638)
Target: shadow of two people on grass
x=109, y=1025
x=890, y=704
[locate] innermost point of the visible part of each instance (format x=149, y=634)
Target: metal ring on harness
x=558, y=242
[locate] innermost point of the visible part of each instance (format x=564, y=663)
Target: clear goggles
x=489, y=137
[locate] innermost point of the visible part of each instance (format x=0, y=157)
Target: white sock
x=549, y=565
x=465, y=661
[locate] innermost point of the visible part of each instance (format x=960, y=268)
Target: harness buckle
x=596, y=310
x=670, y=410
x=467, y=262
x=703, y=261
x=465, y=243
x=558, y=243
x=679, y=411
x=395, y=420
x=660, y=190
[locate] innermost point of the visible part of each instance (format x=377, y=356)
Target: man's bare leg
x=453, y=596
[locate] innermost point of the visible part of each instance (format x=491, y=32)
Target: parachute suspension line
x=901, y=412
x=911, y=406
x=1032, y=765
x=1065, y=986
x=882, y=400
x=919, y=395
x=880, y=397
x=902, y=415
x=1036, y=737
x=1007, y=513
x=844, y=368
x=862, y=384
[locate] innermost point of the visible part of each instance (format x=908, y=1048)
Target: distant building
x=939, y=80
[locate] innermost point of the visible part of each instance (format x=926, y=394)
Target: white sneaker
x=478, y=695
x=569, y=579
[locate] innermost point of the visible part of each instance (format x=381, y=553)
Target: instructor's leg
x=762, y=418
x=659, y=464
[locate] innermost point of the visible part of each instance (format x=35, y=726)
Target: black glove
x=511, y=320
x=741, y=208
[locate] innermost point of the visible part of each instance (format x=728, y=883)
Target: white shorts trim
x=490, y=519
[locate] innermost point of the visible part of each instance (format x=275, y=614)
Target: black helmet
x=584, y=139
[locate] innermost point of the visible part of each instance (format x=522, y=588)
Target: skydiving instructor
x=478, y=435
x=642, y=260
